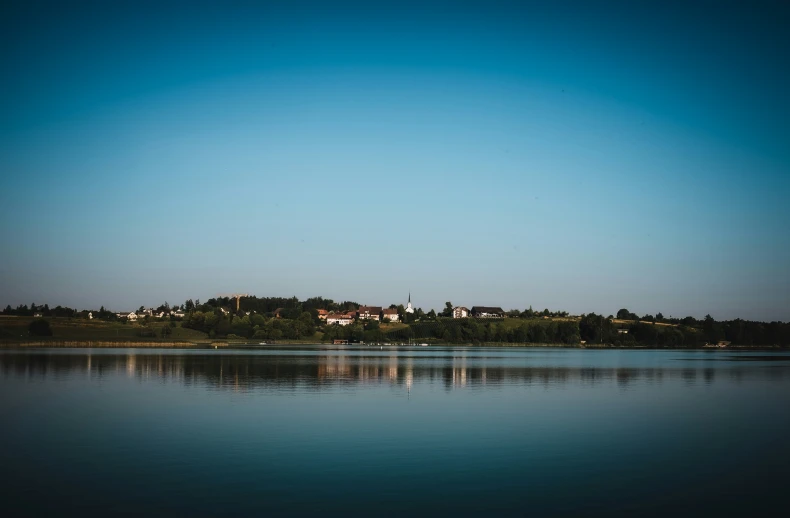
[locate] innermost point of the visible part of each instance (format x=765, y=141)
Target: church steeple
x=409, y=308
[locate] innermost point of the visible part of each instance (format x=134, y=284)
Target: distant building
x=322, y=314
x=409, y=307
x=340, y=319
x=369, y=312
x=487, y=312
x=460, y=312
x=131, y=316
x=90, y=315
x=622, y=331
x=391, y=314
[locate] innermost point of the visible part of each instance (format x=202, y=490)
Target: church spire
x=409, y=309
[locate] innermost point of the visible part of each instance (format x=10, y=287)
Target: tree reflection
x=336, y=368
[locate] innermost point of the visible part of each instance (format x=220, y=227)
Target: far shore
x=236, y=344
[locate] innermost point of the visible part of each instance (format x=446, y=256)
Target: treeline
x=289, y=307
x=474, y=331
x=274, y=318
x=597, y=329
x=23, y=310
x=684, y=332
x=257, y=326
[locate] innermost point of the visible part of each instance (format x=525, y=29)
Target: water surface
x=363, y=431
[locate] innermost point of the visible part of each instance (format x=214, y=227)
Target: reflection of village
x=347, y=368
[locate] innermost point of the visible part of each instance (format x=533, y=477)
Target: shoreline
x=132, y=344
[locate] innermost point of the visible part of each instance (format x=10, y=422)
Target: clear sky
x=584, y=156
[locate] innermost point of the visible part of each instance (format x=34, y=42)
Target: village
x=389, y=314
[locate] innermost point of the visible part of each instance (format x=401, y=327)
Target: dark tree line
x=474, y=331
x=257, y=326
x=23, y=310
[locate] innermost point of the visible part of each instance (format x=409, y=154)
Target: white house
x=487, y=312
x=460, y=312
x=391, y=314
x=370, y=312
x=131, y=316
x=340, y=319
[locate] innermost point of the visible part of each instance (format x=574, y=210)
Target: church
x=409, y=307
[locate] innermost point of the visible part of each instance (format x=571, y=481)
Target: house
x=322, y=314
x=132, y=317
x=90, y=315
x=622, y=331
x=391, y=314
x=460, y=312
x=178, y=314
x=370, y=312
x=341, y=319
x=487, y=312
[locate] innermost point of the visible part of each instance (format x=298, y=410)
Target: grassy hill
x=15, y=329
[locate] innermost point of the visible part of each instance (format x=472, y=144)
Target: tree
x=241, y=326
x=595, y=329
x=401, y=313
x=40, y=327
x=448, y=309
x=623, y=314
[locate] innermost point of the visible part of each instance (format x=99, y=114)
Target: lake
x=413, y=430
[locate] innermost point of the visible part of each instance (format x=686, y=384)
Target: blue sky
x=583, y=157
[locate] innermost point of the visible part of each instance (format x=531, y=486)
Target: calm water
x=363, y=431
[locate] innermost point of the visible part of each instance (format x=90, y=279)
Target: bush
x=40, y=327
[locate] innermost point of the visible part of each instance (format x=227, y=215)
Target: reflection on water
x=401, y=431
x=324, y=368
